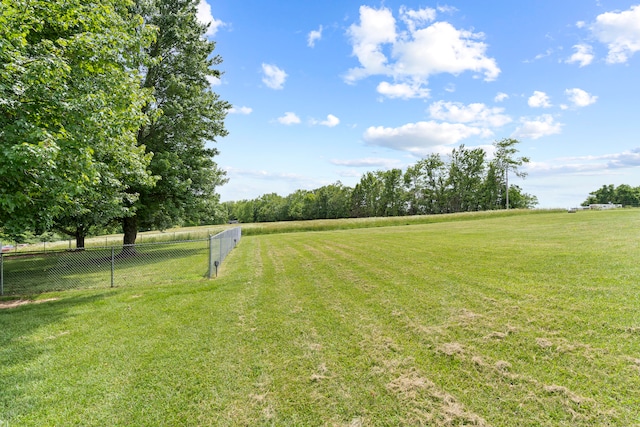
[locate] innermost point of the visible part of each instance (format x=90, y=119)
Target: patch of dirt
x=19, y=302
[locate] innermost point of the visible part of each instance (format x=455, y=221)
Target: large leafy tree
x=392, y=197
x=425, y=184
x=333, y=201
x=185, y=116
x=466, y=175
x=70, y=107
x=366, y=198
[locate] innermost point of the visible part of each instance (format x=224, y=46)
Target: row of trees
x=624, y=194
x=105, y=113
x=464, y=181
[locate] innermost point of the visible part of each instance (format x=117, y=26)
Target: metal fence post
x=1, y=274
x=210, y=257
x=113, y=266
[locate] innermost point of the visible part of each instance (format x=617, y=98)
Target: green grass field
x=525, y=320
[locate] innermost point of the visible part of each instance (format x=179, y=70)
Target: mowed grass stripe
x=408, y=377
x=525, y=320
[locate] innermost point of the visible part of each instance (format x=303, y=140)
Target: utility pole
x=506, y=178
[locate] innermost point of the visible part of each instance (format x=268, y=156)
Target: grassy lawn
x=527, y=320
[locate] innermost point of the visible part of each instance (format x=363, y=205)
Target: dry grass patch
x=451, y=349
x=433, y=406
x=544, y=343
x=19, y=302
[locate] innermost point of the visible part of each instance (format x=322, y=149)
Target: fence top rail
x=235, y=230
x=52, y=252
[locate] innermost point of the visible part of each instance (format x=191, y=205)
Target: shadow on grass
x=20, y=351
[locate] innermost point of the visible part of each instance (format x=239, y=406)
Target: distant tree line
x=463, y=181
x=624, y=194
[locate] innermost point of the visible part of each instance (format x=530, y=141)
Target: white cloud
x=331, y=121
x=420, y=17
x=629, y=158
x=350, y=173
x=403, y=90
x=289, y=118
x=214, y=81
x=539, y=100
x=265, y=175
x=240, y=110
x=620, y=31
x=501, y=96
x=422, y=137
x=580, y=98
x=377, y=27
x=541, y=126
x=583, y=55
x=368, y=162
x=626, y=159
x=441, y=48
x=274, y=77
x=410, y=57
x=476, y=114
x=587, y=165
x=205, y=17
x=547, y=53
x=314, y=36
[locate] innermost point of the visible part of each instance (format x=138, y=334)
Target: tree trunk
x=130, y=229
x=80, y=235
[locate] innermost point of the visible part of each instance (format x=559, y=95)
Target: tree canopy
x=623, y=194
x=106, y=115
x=70, y=107
x=185, y=116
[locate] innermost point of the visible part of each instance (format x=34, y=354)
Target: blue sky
x=326, y=91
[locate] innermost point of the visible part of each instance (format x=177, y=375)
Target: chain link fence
x=132, y=265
